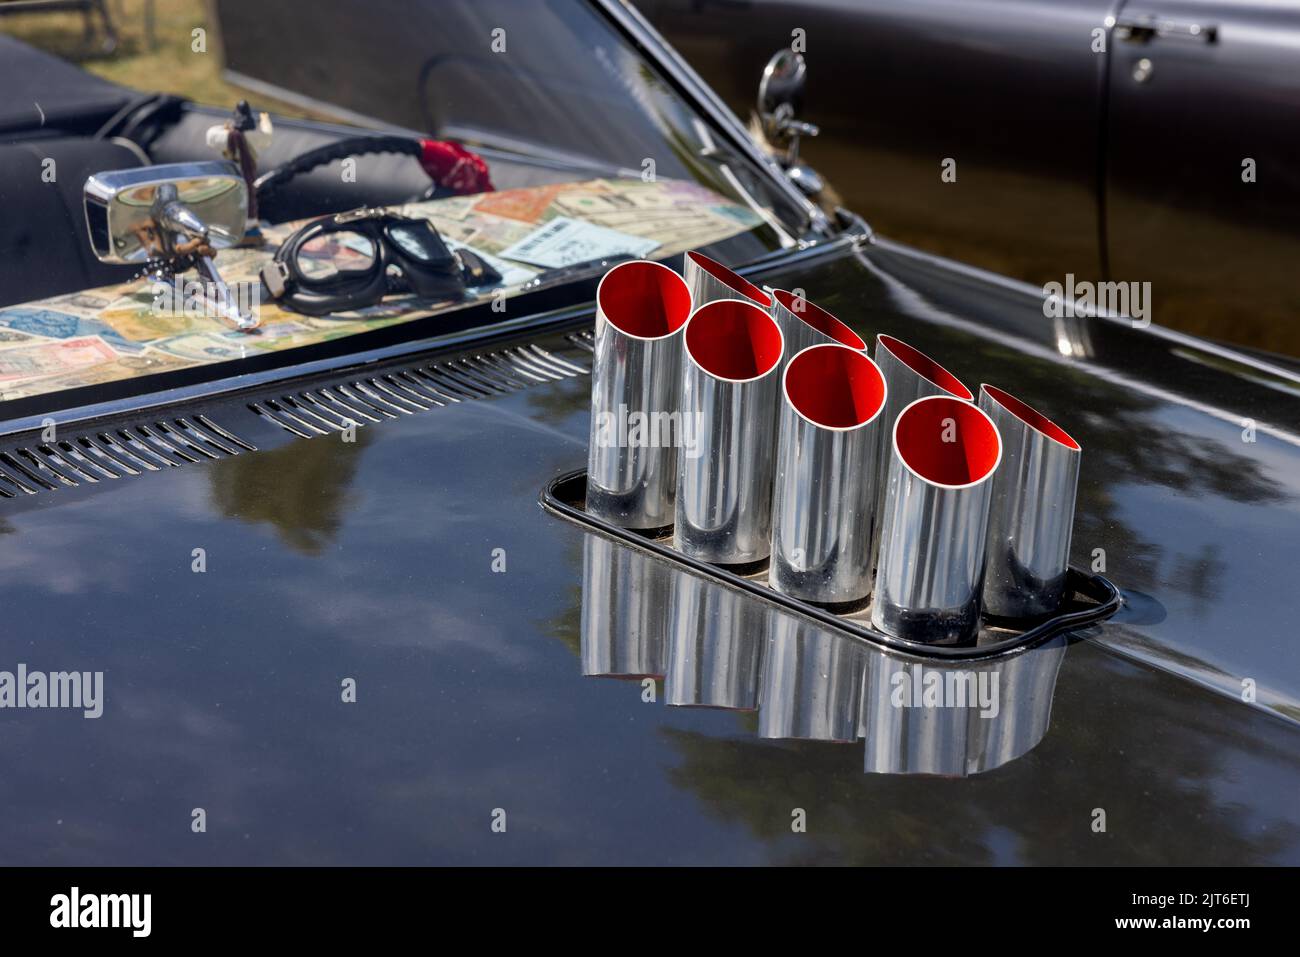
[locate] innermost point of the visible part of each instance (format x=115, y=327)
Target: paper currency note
x=57, y=324
x=564, y=242
x=53, y=358
x=207, y=347
x=148, y=362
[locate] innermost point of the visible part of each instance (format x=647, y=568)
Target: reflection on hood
x=720, y=648
x=300, y=489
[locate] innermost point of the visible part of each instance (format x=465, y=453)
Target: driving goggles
x=353, y=260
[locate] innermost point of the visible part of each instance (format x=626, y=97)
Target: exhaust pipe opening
x=721, y=276
x=1031, y=417
x=947, y=442
x=835, y=388
x=734, y=341
x=817, y=319
x=645, y=300
x=924, y=366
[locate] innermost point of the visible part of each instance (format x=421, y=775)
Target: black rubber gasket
x=1089, y=598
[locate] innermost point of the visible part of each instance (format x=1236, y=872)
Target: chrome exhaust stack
x=909, y=375
x=804, y=324
x=1032, y=510
x=930, y=570
x=824, y=497
x=709, y=281
x=636, y=424
x=730, y=388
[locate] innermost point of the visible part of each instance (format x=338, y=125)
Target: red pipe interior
x=925, y=367
x=644, y=299
x=734, y=340
x=730, y=279
x=1031, y=417
x=819, y=319
x=947, y=441
x=834, y=386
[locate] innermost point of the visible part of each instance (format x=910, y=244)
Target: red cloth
x=453, y=167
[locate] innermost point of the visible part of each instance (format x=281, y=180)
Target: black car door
x=1202, y=188
x=1002, y=96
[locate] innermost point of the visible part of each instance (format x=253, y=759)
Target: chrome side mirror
x=781, y=88
x=170, y=217
x=780, y=98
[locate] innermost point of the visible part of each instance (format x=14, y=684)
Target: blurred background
x=146, y=45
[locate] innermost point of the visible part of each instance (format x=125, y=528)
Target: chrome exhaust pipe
x=933, y=530
x=715, y=646
x=909, y=375
x=624, y=611
x=729, y=395
x=641, y=309
x=824, y=498
x=1032, y=511
x=804, y=324
x=811, y=685
x=709, y=281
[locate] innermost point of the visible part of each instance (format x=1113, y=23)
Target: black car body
x=234, y=559
x=1131, y=140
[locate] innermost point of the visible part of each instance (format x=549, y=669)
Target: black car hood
x=380, y=560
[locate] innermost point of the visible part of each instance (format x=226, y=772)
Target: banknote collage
x=142, y=328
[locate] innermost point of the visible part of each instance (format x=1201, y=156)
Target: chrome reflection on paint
x=824, y=495
x=715, y=646
x=1031, y=515
x=724, y=649
x=956, y=718
x=709, y=281
x=812, y=683
x=624, y=611
x=641, y=310
x=730, y=389
x=930, y=568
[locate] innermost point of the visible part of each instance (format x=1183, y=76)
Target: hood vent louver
x=395, y=393
x=583, y=340
x=114, y=454
x=93, y=452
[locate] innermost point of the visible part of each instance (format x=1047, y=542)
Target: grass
x=167, y=65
